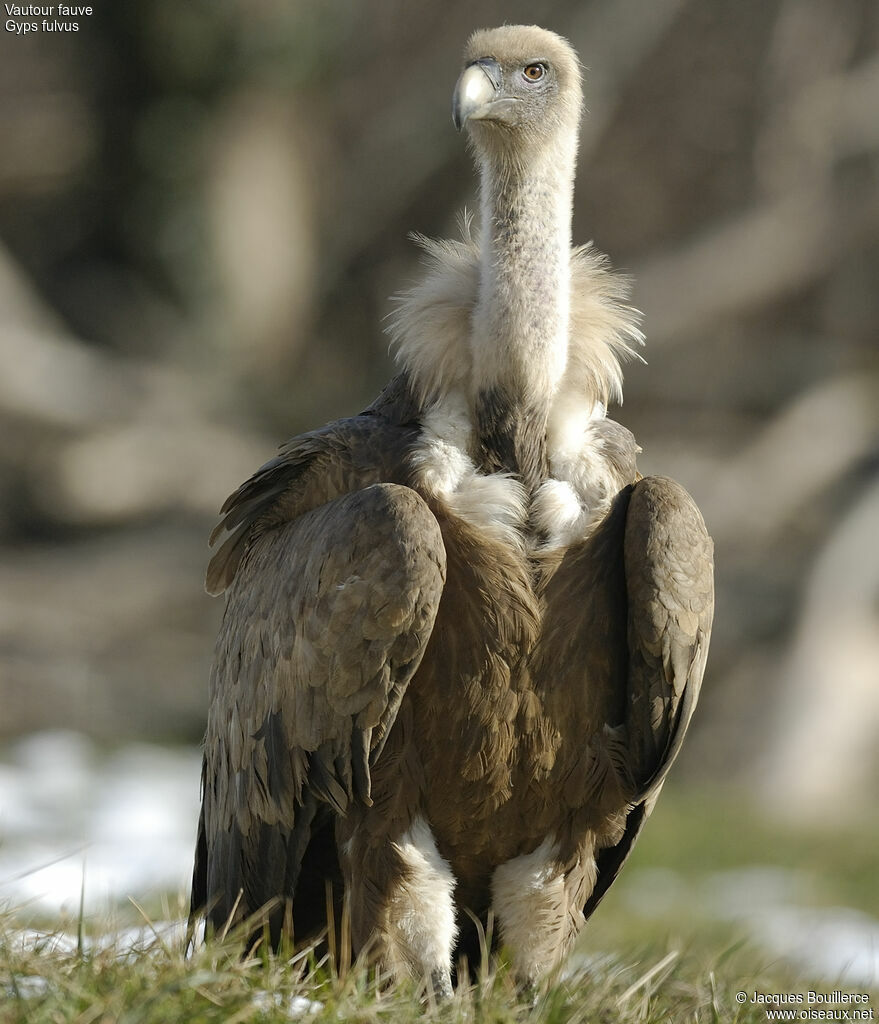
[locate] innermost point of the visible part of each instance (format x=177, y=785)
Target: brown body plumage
x=463, y=639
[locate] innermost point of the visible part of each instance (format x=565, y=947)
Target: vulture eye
x=534, y=72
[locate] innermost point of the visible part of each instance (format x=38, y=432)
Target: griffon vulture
x=463, y=637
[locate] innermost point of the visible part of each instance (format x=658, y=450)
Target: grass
x=631, y=967
x=159, y=983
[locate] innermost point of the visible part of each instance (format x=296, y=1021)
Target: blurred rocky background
x=204, y=208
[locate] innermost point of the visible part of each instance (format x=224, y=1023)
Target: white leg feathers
x=421, y=914
x=535, y=901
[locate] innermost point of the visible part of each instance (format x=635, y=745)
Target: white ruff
x=432, y=325
x=431, y=330
x=422, y=913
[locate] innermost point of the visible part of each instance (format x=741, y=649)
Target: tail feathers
x=198, y=894
x=248, y=880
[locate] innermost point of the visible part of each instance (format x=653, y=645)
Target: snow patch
x=78, y=822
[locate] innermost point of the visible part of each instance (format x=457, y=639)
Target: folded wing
x=668, y=571
x=326, y=621
x=652, y=594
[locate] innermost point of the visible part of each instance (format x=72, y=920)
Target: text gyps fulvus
x=463, y=637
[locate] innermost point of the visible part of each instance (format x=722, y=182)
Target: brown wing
x=669, y=587
x=326, y=621
x=670, y=583
x=311, y=469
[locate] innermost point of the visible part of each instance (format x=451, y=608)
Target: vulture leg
x=538, y=901
x=400, y=896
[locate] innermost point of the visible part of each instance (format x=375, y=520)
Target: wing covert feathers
x=326, y=621
x=308, y=471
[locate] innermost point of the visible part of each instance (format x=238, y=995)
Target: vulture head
x=519, y=90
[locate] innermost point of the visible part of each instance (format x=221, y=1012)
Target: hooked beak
x=477, y=94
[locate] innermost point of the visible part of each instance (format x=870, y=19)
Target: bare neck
x=520, y=324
